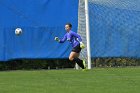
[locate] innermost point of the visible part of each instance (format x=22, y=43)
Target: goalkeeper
x=76, y=42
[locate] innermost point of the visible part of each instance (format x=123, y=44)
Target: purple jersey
x=72, y=37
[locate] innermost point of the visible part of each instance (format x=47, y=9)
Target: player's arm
x=79, y=39
x=61, y=40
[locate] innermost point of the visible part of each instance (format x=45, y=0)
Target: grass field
x=97, y=80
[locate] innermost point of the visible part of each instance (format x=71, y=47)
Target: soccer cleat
x=85, y=69
x=84, y=63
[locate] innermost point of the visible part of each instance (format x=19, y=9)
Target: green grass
x=97, y=80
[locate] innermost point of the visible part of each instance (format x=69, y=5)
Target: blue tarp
x=41, y=21
x=114, y=28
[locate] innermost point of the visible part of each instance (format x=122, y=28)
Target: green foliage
x=36, y=64
x=115, y=62
x=65, y=63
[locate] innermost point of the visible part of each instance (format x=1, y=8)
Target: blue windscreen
x=40, y=21
x=115, y=28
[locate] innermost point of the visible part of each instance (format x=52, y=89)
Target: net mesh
x=82, y=28
x=114, y=27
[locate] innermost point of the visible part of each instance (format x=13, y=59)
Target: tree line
x=31, y=64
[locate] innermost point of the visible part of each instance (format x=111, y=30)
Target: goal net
x=114, y=28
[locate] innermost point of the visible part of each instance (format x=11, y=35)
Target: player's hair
x=70, y=25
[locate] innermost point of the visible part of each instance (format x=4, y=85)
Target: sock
x=79, y=62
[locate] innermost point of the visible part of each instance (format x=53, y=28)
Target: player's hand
x=82, y=45
x=57, y=39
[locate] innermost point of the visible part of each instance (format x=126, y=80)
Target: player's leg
x=74, y=57
x=84, y=62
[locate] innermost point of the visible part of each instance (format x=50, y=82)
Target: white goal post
x=83, y=30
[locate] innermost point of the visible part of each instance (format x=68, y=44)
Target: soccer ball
x=18, y=31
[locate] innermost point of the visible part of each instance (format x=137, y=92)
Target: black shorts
x=76, y=49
